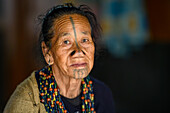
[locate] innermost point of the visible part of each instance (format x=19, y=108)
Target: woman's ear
x=47, y=54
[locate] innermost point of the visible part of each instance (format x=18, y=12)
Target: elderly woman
x=67, y=39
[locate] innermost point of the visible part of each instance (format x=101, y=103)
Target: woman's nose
x=77, y=51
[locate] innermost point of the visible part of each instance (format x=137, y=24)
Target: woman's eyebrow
x=85, y=32
x=64, y=34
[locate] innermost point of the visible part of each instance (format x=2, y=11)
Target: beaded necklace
x=50, y=93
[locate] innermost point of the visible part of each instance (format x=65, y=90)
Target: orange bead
x=42, y=94
x=48, y=99
x=40, y=73
x=84, y=92
x=55, y=89
x=65, y=111
x=42, y=100
x=83, y=109
x=46, y=83
x=62, y=107
x=45, y=88
x=53, y=94
x=88, y=85
x=82, y=97
x=83, y=82
x=86, y=89
x=60, y=104
x=88, y=100
x=92, y=95
x=92, y=109
x=90, y=82
x=50, y=89
x=57, y=102
x=52, y=105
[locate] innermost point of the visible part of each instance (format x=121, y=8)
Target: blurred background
x=135, y=57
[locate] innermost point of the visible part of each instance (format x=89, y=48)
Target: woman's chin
x=79, y=73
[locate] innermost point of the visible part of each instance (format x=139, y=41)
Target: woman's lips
x=79, y=65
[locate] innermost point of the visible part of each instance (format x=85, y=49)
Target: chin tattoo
x=80, y=73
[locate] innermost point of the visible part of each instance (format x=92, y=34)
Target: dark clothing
x=72, y=105
x=103, y=100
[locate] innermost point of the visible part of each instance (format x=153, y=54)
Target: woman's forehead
x=72, y=23
x=65, y=22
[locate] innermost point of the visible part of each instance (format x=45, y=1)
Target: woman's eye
x=66, y=42
x=85, y=40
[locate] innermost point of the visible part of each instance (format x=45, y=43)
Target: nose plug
x=79, y=52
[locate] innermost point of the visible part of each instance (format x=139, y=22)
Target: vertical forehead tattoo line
x=75, y=35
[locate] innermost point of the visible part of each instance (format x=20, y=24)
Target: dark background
x=139, y=82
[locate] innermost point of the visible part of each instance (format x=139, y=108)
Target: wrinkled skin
x=69, y=57
x=72, y=52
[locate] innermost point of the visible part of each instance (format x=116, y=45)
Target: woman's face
x=72, y=46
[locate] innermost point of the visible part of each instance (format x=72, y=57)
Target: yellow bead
x=92, y=98
x=55, y=93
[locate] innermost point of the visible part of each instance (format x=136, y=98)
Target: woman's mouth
x=76, y=65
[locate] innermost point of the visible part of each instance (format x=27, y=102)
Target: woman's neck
x=69, y=86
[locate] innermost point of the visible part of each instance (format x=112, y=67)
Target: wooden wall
x=159, y=19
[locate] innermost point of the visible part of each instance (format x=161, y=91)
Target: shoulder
x=27, y=84
x=100, y=86
x=104, y=102
x=26, y=88
x=24, y=97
